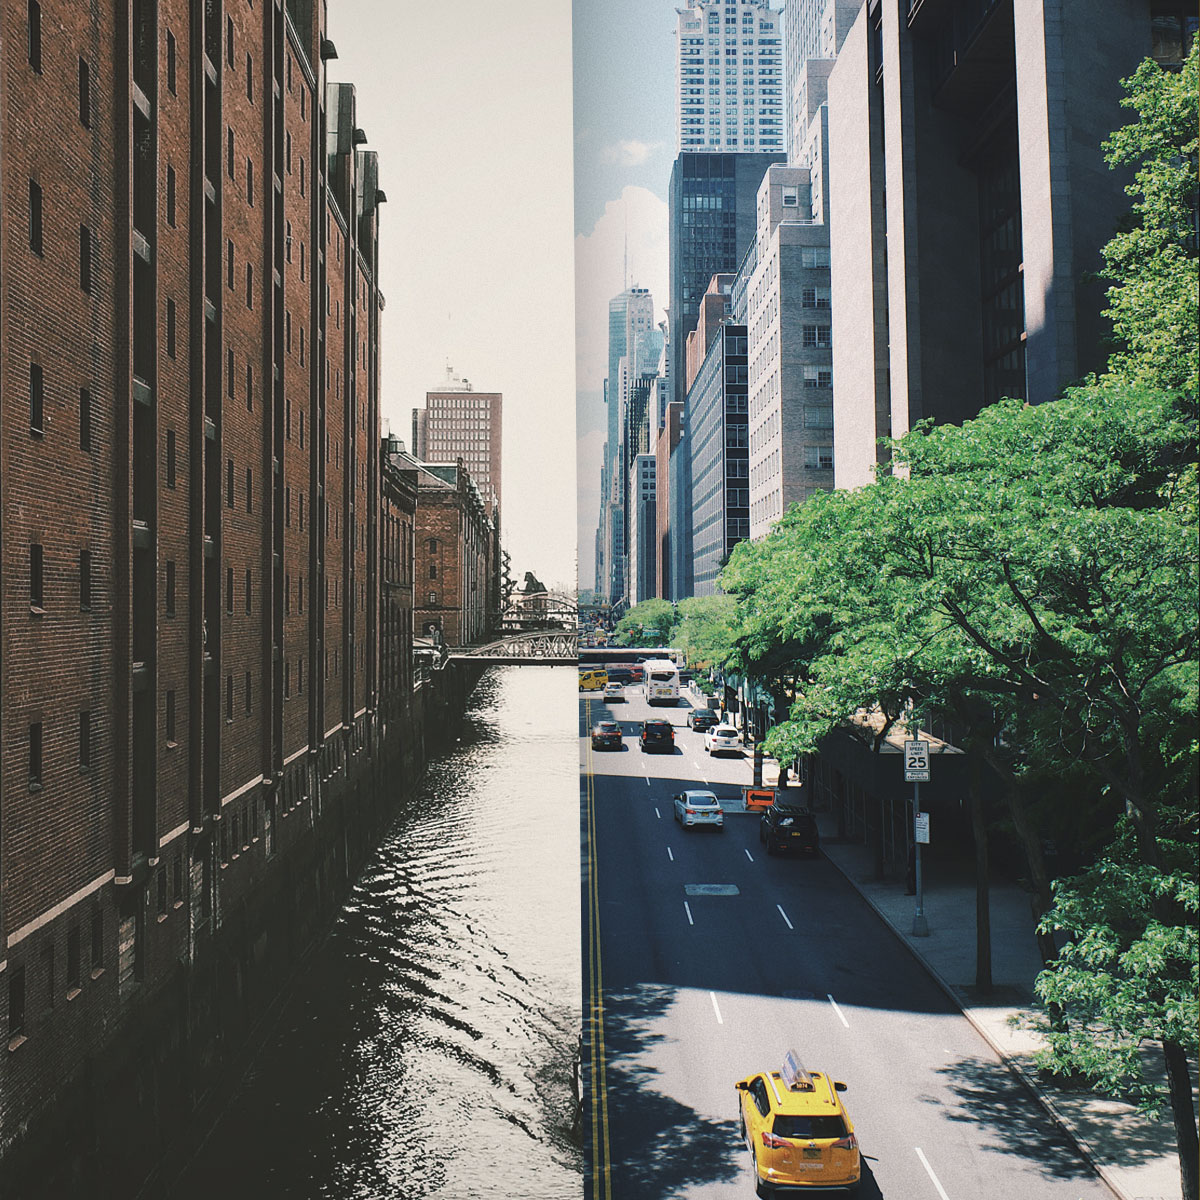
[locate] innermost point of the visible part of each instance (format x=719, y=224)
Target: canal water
x=428, y=1051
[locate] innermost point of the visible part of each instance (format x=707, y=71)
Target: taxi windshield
x=808, y=1127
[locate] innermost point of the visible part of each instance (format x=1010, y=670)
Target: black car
x=702, y=718
x=606, y=733
x=658, y=735
x=786, y=827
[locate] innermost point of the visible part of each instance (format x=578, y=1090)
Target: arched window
x=433, y=545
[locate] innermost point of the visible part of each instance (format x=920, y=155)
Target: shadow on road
x=671, y=1146
x=992, y=1099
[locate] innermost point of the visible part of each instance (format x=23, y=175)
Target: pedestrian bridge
x=539, y=648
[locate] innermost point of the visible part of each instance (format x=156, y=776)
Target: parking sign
x=916, y=762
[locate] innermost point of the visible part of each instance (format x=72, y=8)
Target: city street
x=706, y=960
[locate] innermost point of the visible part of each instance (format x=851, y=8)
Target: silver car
x=699, y=808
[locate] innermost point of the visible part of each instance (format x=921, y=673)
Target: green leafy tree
x=646, y=624
x=1153, y=301
x=1039, y=565
x=705, y=629
x=1128, y=972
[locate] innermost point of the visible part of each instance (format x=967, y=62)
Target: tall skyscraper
x=729, y=75
x=712, y=222
x=459, y=422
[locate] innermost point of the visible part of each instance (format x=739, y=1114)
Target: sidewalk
x=1136, y=1157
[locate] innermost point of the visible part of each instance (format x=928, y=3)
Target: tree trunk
x=875, y=821
x=1032, y=846
x=983, y=913
x=1180, y=1083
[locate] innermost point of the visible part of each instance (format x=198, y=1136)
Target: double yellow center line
x=601, y=1160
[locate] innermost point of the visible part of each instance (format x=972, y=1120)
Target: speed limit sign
x=916, y=762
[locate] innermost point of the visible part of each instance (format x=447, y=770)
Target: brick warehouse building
x=456, y=559
x=189, y=537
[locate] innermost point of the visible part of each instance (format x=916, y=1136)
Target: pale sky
x=469, y=108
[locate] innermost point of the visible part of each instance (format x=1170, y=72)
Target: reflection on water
x=428, y=1050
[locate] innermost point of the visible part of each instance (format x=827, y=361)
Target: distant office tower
x=984, y=124
x=783, y=294
x=679, y=506
x=634, y=347
x=459, y=422
x=729, y=76
x=712, y=221
x=664, y=446
x=643, y=527
x=718, y=442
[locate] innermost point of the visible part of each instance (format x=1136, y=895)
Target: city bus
x=662, y=681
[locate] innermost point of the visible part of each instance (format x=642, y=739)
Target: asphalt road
x=705, y=960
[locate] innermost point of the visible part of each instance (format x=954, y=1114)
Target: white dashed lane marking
x=749, y=856
x=687, y=908
x=838, y=1010
x=713, y=997
x=941, y=1191
x=784, y=916
x=670, y=855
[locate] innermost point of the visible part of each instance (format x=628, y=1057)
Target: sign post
x=916, y=772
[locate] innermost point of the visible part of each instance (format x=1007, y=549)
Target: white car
x=699, y=808
x=723, y=739
x=613, y=693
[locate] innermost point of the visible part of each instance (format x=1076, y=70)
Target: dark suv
x=658, y=735
x=785, y=827
x=701, y=719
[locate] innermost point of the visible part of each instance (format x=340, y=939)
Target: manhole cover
x=710, y=889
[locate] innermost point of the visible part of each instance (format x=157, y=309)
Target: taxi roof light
x=795, y=1075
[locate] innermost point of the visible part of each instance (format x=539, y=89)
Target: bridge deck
x=524, y=660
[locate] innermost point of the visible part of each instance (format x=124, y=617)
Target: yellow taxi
x=798, y=1131
x=592, y=679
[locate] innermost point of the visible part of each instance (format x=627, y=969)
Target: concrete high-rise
x=729, y=77
x=712, y=220
x=459, y=422
x=783, y=295
x=984, y=128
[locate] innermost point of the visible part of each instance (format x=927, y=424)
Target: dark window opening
x=37, y=595
x=35, y=217
x=34, y=35
x=85, y=93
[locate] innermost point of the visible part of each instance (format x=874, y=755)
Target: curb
x=1018, y=1072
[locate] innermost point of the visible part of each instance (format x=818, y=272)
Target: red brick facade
x=455, y=561
x=190, y=490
